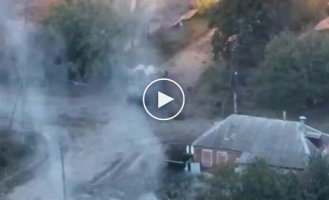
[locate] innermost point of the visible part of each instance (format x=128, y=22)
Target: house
x=34, y=9
x=240, y=139
x=323, y=25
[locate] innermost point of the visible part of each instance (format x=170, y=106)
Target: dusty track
x=190, y=63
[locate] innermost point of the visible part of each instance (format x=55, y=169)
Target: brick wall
x=211, y=159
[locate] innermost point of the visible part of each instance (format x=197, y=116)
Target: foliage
x=94, y=34
x=217, y=79
x=176, y=186
x=223, y=186
x=204, y=5
x=316, y=178
x=259, y=181
x=218, y=82
x=254, y=23
x=296, y=72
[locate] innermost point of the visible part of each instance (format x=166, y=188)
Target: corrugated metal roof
x=282, y=143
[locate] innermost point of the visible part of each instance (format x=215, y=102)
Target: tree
x=261, y=182
x=254, y=23
x=316, y=178
x=293, y=186
x=94, y=34
x=217, y=81
x=296, y=72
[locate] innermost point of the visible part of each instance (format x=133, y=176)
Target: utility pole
x=63, y=172
x=23, y=68
x=235, y=95
x=25, y=12
x=235, y=73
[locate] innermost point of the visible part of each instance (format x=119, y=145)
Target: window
x=206, y=158
x=221, y=157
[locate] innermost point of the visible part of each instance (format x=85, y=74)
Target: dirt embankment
x=190, y=63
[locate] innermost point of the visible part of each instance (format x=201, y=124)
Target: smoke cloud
x=102, y=144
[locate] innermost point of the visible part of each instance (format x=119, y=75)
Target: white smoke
x=119, y=157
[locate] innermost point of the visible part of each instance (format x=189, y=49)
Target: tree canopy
x=245, y=27
x=94, y=34
x=296, y=72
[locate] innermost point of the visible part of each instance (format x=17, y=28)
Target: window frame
x=206, y=162
x=221, y=154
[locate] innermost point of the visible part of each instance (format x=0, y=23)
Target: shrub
x=222, y=186
x=261, y=182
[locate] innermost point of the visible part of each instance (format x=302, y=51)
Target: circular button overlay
x=163, y=99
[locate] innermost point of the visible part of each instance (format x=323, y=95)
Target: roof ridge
x=267, y=118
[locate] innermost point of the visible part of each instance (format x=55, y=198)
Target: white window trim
x=221, y=154
x=202, y=157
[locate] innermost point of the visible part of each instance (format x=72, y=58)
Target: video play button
x=163, y=99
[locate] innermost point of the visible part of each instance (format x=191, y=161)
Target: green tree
x=261, y=182
x=254, y=22
x=94, y=34
x=316, y=178
x=296, y=72
x=293, y=186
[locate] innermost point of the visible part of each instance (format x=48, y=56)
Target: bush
x=94, y=34
x=261, y=182
x=222, y=186
x=296, y=72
